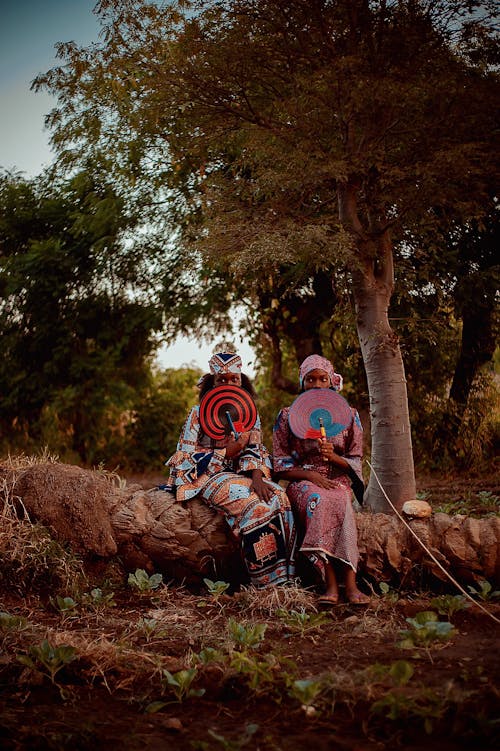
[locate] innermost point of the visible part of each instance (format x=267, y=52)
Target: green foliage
x=425, y=630
x=149, y=627
x=224, y=743
x=65, y=605
x=389, y=594
x=217, y=588
x=180, y=684
x=306, y=690
x=77, y=317
x=449, y=604
x=302, y=622
x=399, y=707
x=480, y=505
x=99, y=600
x=485, y=593
x=10, y=622
x=251, y=635
x=141, y=580
x=209, y=655
x=401, y=672
x=269, y=154
x=48, y=659
x=153, y=431
x=261, y=674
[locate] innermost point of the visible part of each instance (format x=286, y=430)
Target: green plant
x=487, y=498
x=397, y=705
x=208, y=655
x=149, y=627
x=425, y=629
x=47, y=659
x=422, y=495
x=302, y=622
x=65, y=605
x=180, y=683
x=449, y=604
x=217, y=588
x=10, y=622
x=250, y=731
x=388, y=593
x=306, y=691
x=228, y=745
x=258, y=673
x=399, y=672
x=247, y=636
x=484, y=503
x=98, y=599
x=486, y=592
x=143, y=582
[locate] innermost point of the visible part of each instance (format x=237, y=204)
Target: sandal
x=358, y=598
x=328, y=601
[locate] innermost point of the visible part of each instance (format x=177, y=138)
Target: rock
x=417, y=509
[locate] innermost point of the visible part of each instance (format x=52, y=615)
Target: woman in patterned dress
x=320, y=472
x=233, y=477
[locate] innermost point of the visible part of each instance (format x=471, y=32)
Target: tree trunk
x=373, y=282
x=188, y=541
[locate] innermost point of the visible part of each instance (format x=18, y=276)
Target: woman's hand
x=318, y=479
x=258, y=485
x=328, y=454
x=326, y=450
x=234, y=447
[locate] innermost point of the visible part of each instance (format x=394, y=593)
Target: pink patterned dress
x=325, y=517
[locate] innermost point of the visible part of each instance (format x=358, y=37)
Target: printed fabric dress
x=325, y=517
x=266, y=529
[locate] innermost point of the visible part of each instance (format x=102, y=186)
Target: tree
x=153, y=432
x=301, y=132
x=77, y=329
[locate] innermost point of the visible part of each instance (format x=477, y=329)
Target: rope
x=478, y=604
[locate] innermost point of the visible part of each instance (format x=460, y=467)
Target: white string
x=429, y=552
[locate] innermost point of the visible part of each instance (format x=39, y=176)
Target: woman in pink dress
x=319, y=474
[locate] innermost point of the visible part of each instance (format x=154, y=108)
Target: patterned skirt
x=266, y=529
x=326, y=520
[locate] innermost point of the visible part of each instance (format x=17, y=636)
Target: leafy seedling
x=143, y=582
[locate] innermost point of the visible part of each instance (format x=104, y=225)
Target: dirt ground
x=271, y=671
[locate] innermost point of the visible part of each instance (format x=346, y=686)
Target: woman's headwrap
x=225, y=362
x=317, y=362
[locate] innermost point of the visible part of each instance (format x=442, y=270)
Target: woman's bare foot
x=352, y=593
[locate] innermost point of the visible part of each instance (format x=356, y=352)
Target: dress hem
x=335, y=557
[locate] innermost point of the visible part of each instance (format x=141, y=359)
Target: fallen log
x=104, y=518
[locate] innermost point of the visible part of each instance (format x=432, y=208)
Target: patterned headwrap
x=225, y=362
x=316, y=362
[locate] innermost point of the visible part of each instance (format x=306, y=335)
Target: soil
x=371, y=691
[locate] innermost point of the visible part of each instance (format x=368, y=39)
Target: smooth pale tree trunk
x=373, y=283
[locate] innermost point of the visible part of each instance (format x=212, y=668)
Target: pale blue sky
x=29, y=31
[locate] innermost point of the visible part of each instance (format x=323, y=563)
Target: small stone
x=417, y=509
x=351, y=620
x=171, y=723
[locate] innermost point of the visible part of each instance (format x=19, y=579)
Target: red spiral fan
x=317, y=408
x=225, y=409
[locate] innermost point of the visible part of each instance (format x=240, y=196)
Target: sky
x=29, y=31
